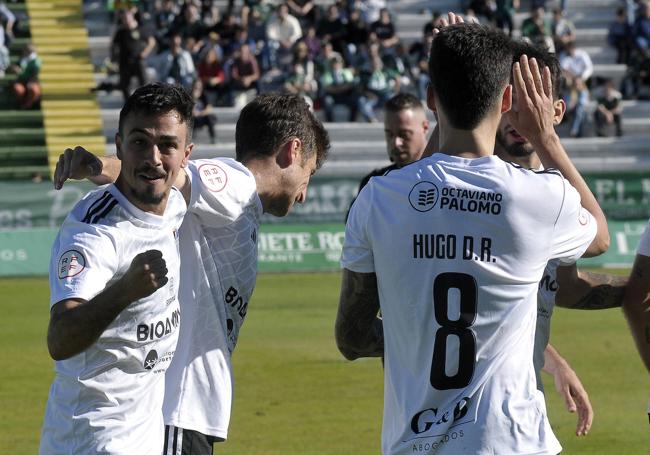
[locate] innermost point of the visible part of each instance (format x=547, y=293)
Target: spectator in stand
x=305, y=11
x=175, y=65
x=384, y=29
x=577, y=69
x=332, y=29
x=326, y=57
x=212, y=76
x=244, y=74
x=377, y=86
x=189, y=23
x=8, y=19
x=641, y=30
x=564, y=32
x=282, y=31
x=302, y=78
x=27, y=89
x=619, y=36
x=256, y=28
x=505, y=14
x=241, y=37
x=356, y=33
x=313, y=42
x=226, y=28
x=338, y=87
x=537, y=29
x=203, y=112
x=609, y=110
x=130, y=48
x=370, y=9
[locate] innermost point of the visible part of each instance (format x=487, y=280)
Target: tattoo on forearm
x=359, y=331
x=609, y=294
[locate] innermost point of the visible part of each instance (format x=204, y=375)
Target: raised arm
x=583, y=290
x=79, y=164
x=75, y=324
x=569, y=386
x=532, y=116
x=636, y=306
x=359, y=331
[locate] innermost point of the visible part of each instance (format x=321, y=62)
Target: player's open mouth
x=152, y=178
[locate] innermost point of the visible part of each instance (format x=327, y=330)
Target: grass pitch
x=296, y=395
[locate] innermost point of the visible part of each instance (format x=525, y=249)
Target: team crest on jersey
x=213, y=177
x=423, y=196
x=71, y=263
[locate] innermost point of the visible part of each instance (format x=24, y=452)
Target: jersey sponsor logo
x=158, y=329
x=424, y=420
x=151, y=360
x=546, y=283
x=423, y=196
x=235, y=300
x=213, y=177
x=473, y=201
x=583, y=217
x=71, y=263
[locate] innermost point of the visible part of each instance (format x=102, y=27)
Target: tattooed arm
x=636, y=306
x=359, y=331
x=582, y=290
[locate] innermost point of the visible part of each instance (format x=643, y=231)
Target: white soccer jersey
x=218, y=272
x=545, y=304
x=459, y=247
x=108, y=399
x=644, y=244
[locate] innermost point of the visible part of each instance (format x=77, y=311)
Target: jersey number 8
x=466, y=285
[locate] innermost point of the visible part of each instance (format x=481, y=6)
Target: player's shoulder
x=221, y=175
x=95, y=206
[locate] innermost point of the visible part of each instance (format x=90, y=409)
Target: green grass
x=295, y=395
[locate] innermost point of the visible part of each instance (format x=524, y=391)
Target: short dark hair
x=469, y=66
x=402, y=102
x=271, y=120
x=160, y=98
x=544, y=59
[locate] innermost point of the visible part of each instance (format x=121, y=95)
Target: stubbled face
x=153, y=149
x=406, y=135
x=293, y=186
x=511, y=141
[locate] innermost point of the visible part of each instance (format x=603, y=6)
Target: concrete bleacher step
x=18, y=118
x=22, y=152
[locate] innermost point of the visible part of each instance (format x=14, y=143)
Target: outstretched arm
x=359, y=331
x=636, y=306
x=583, y=290
x=569, y=386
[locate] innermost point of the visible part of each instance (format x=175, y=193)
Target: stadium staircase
x=70, y=111
x=359, y=147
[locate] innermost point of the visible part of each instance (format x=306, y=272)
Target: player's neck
x=265, y=175
x=474, y=143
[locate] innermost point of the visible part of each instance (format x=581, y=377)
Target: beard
x=148, y=196
x=516, y=149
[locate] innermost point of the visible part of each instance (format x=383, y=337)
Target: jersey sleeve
x=644, y=243
x=357, y=252
x=220, y=192
x=84, y=260
x=575, y=228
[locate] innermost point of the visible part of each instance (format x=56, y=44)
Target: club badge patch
x=71, y=263
x=213, y=177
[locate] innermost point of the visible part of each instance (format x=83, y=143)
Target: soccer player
x=114, y=312
x=405, y=128
x=279, y=145
x=565, y=286
x=452, y=249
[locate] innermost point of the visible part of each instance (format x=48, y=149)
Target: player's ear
x=506, y=99
x=289, y=153
x=118, y=145
x=431, y=98
x=188, y=152
x=559, y=108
